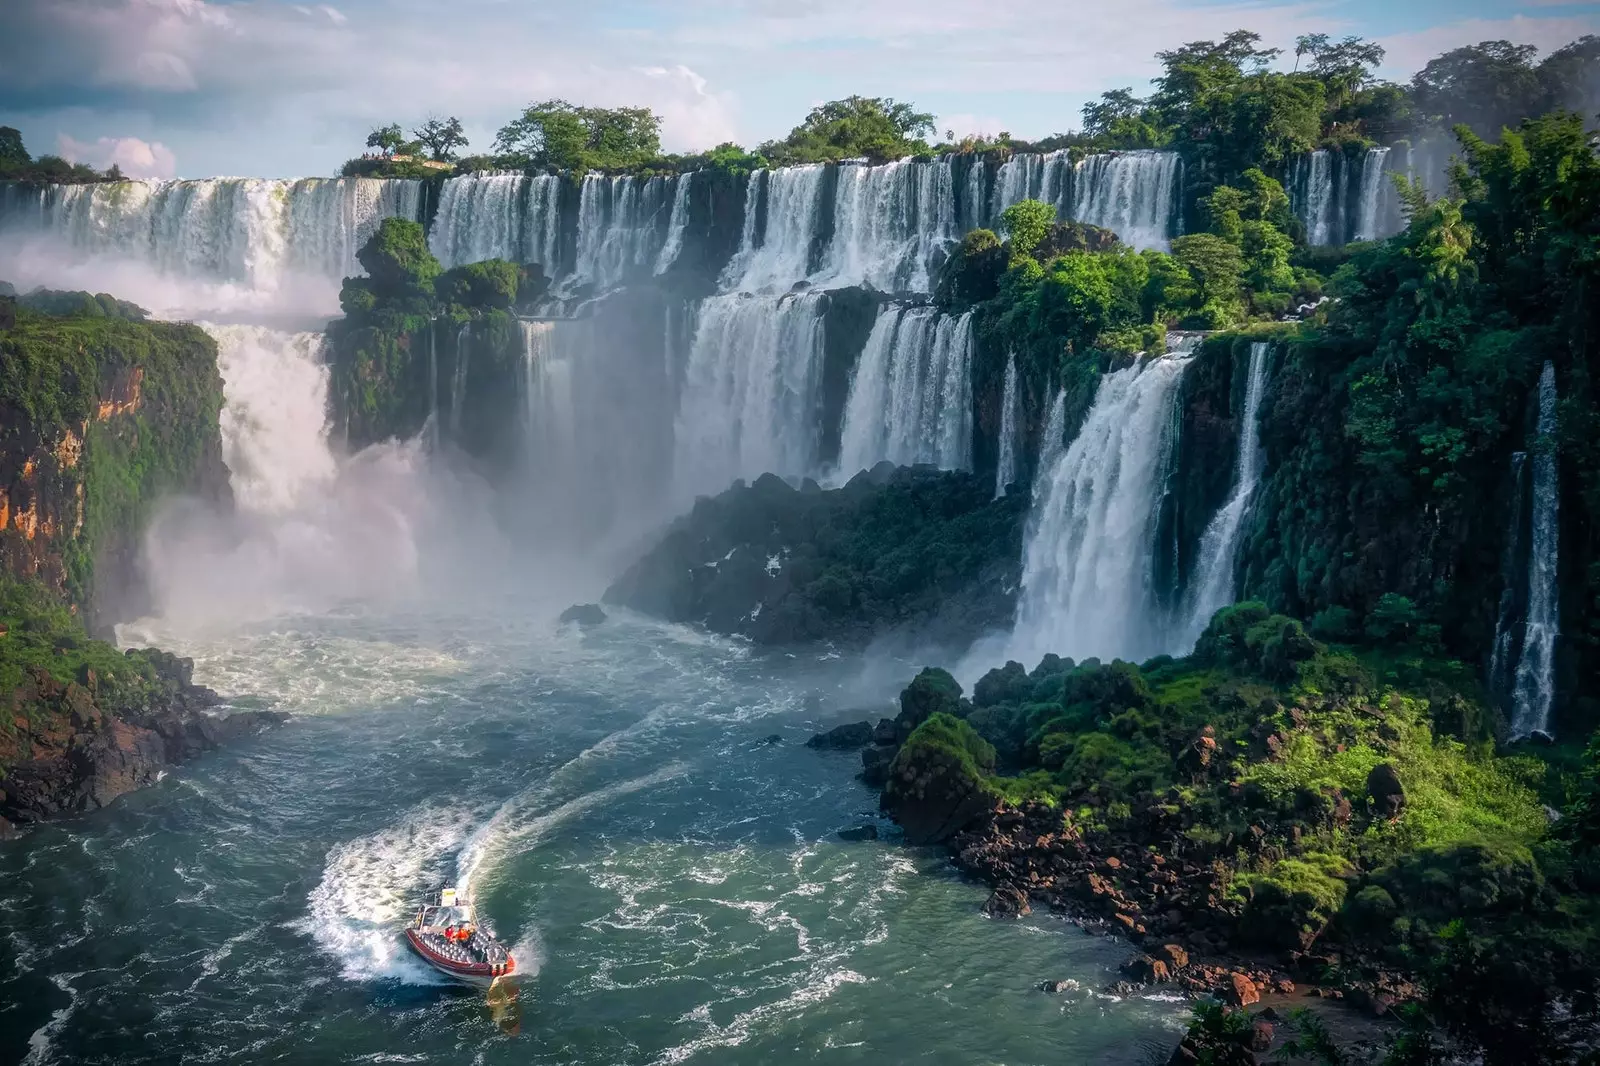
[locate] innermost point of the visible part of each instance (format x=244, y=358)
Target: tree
x=387, y=139
x=555, y=133
x=877, y=128
x=1485, y=86
x=441, y=137
x=1026, y=223
x=11, y=149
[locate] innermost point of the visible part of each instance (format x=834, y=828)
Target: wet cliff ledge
x=894, y=550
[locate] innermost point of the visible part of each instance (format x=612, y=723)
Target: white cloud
x=138, y=159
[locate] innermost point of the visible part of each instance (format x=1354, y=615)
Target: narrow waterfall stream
x=1535, y=677
x=1211, y=588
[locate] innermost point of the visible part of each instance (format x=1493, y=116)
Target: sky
x=273, y=88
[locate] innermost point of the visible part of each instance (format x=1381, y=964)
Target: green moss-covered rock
x=937, y=783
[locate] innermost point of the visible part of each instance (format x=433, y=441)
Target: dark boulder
x=585, y=614
x=1388, y=795
x=936, y=785
x=859, y=833
x=875, y=763
x=847, y=737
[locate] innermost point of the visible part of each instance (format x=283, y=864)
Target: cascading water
x=458, y=377
x=548, y=408
x=1006, y=468
x=782, y=209
x=1212, y=586
x=1087, y=565
x=274, y=431
x=1369, y=210
x=1340, y=199
x=890, y=222
x=1133, y=194
x=255, y=232
x=911, y=399
x=498, y=216
x=622, y=226
x=1534, y=690
x=676, y=224
x=751, y=391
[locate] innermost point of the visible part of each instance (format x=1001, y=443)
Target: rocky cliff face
x=67, y=747
x=99, y=419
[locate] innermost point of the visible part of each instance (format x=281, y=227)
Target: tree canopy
x=555, y=133
x=440, y=136
x=873, y=128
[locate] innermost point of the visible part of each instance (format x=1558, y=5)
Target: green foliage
x=398, y=263
x=489, y=284
x=84, y=304
x=386, y=139
x=876, y=128
x=950, y=735
x=1025, y=223
x=441, y=137
x=555, y=133
x=931, y=692
x=17, y=165
x=1288, y=907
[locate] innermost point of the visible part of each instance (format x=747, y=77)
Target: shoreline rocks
x=71, y=754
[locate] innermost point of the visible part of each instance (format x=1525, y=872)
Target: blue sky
x=279, y=88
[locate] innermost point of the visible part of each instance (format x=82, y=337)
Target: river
x=632, y=807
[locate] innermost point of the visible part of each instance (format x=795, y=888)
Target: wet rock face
x=77, y=755
x=847, y=737
x=1388, y=795
x=584, y=614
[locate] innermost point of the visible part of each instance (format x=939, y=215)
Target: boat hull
x=478, y=975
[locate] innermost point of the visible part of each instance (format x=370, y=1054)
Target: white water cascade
x=911, y=398
x=262, y=235
x=308, y=530
x=890, y=222
x=1006, y=467
x=548, y=403
x=622, y=226
x=1500, y=658
x=274, y=431
x=677, y=223
x=1087, y=566
x=751, y=393
x=498, y=216
x=1369, y=209
x=1534, y=690
x=1133, y=194
x=781, y=212
x=1212, y=586
x=1341, y=200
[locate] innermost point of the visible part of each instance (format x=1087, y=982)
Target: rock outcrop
x=69, y=751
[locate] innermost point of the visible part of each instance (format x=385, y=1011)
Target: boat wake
x=369, y=888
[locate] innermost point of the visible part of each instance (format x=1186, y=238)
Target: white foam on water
x=369, y=887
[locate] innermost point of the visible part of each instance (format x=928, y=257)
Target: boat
x=450, y=938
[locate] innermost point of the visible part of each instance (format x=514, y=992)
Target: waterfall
x=890, y=222
x=1087, y=564
x=776, y=250
x=676, y=224
x=751, y=392
x=1369, y=212
x=1053, y=444
x=458, y=378
x=498, y=216
x=1006, y=468
x=1212, y=586
x=253, y=232
x=549, y=422
x=1340, y=199
x=1130, y=193
x=911, y=398
x=1312, y=189
x=1500, y=659
x=1032, y=176
x=1535, y=679
x=274, y=423
x=433, y=382
x=622, y=227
